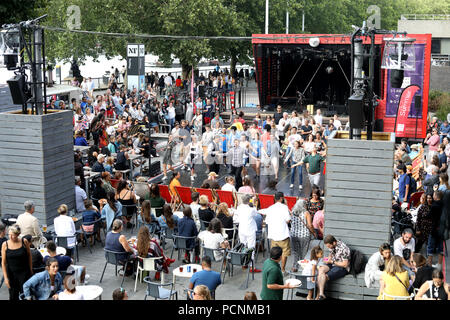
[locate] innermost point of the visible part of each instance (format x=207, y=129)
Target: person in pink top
x=432, y=140
x=318, y=223
x=247, y=186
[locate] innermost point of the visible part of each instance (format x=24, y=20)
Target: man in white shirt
x=318, y=117
x=406, y=241
x=247, y=225
x=277, y=219
x=194, y=207
x=168, y=80
x=80, y=195
x=29, y=224
x=337, y=123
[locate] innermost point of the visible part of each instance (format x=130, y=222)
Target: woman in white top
x=214, y=239
x=64, y=226
x=194, y=155
x=294, y=120
x=197, y=123
x=139, y=113
x=375, y=266
x=110, y=130
x=171, y=114
x=309, y=144
x=70, y=292
x=229, y=185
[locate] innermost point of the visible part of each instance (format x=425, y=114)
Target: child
x=311, y=269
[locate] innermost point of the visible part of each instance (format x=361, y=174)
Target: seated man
x=37, y=260
x=29, y=224
x=64, y=262
x=337, y=266
x=207, y=277
x=404, y=248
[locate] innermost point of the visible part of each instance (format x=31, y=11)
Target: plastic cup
x=181, y=269
x=44, y=227
x=194, y=270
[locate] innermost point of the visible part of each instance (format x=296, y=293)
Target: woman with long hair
x=213, y=238
x=443, y=182
x=394, y=280
x=255, y=156
x=97, y=127
x=247, y=186
x=147, y=218
x=168, y=155
x=156, y=201
x=226, y=217
x=111, y=209
x=424, y=223
x=167, y=220
x=148, y=247
x=127, y=197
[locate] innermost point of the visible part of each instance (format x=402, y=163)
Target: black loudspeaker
x=379, y=125
x=396, y=78
x=356, y=111
x=17, y=88
x=259, y=51
x=201, y=91
x=418, y=104
x=155, y=169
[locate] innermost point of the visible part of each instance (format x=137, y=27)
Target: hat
x=100, y=156
x=212, y=173
x=414, y=146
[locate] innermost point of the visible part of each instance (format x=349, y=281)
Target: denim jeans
x=300, y=175
x=288, y=163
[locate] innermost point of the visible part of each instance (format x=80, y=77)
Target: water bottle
x=188, y=268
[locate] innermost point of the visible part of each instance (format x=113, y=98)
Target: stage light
x=398, y=56
x=329, y=69
x=314, y=42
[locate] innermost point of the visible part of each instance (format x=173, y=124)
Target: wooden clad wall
x=36, y=163
x=358, y=193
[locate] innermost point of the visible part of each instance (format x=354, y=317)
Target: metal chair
x=242, y=259
x=157, y=290
x=303, y=283
x=167, y=233
x=410, y=297
x=86, y=234
x=125, y=208
x=112, y=258
x=210, y=253
x=260, y=240
x=234, y=229
x=148, y=264
x=181, y=243
x=203, y=225
x=64, y=242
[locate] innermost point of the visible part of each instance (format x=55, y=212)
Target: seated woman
x=423, y=271
x=106, y=182
x=65, y=227
x=226, y=217
x=148, y=219
x=117, y=242
x=376, y=265
x=91, y=214
x=111, y=209
x=80, y=140
x=98, y=192
x=187, y=228
x=156, y=200
x=109, y=165
x=205, y=213
x=148, y=248
x=167, y=220
x=394, y=280
x=214, y=239
x=246, y=186
x=127, y=197
x=46, y=284
x=70, y=291
x=122, y=159
x=175, y=182
x=435, y=289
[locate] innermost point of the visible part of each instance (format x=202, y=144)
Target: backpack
x=358, y=262
x=412, y=185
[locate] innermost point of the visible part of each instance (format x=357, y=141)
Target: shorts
x=285, y=245
x=153, y=124
x=336, y=272
x=435, y=245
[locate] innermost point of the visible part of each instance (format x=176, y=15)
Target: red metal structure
x=275, y=62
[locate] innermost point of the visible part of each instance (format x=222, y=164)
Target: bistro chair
x=242, y=259
x=156, y=290
x=145, y=264
x=64, y=242
x=210, y=253
x=303, y=283
x=87, y=234
x=181, y=243
x=112, y=258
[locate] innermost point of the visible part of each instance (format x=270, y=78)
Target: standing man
x=80, y=195
x=213, y=155
x=306, y=130
x=277, y=219
x=278, y=115
x=318, y=117
x=338, y=264
x=236, y=153
x=272, y=277
x=313, y=162
x=404, y=184
x=29, y=225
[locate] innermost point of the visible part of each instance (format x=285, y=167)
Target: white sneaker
x=164, y=178
x=300, y=187
x=291, y=186
x=86, y=279
x=192, y=178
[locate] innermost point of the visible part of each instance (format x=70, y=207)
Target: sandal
x=320, y=297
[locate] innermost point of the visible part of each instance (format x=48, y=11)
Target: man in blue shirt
x=404, y=184
x=444, y=130
x=207, y=277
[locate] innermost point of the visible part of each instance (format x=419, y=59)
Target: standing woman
x=314, y=203
x=301, y=232
x=197, y=123
x=88, y=120
x=309, y=144
x=97, y=127
x=298, y=155
x=273, y=152
x=195, y=155
x=424, y=224
x=167, y=160
x=255, y=157
x=16, y=262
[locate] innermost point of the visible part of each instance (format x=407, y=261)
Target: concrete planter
x=36, y=162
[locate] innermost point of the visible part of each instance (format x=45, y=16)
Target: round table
x=185, y=274
x=59, y=250
x=179, y=214
x=90, y=292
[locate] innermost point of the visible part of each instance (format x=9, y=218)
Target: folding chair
x=414, y=200
x=164, y=192
x=145, y=264
x=226, y=196
x=112, y=258
x=206, y=192
x=290, y=202
x=185, y=196
x=265, y=200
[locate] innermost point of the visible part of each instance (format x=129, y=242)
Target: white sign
x=141, y=50
x=132, y=50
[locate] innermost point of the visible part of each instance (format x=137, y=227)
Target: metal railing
x=413, y=16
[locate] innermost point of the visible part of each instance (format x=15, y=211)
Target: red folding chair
x=265, y=200
x=184, y=194
x=414, y=200
x=164, y=192
x=291, y=201
x=206, y=192
x=227, y=197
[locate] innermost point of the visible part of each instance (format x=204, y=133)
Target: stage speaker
x=17, y=88
x=201, y=91
x=418, y=104
x=396, y=78
x=155, y=169
x=356, y=111
x=259, y=51
x=379, y=125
